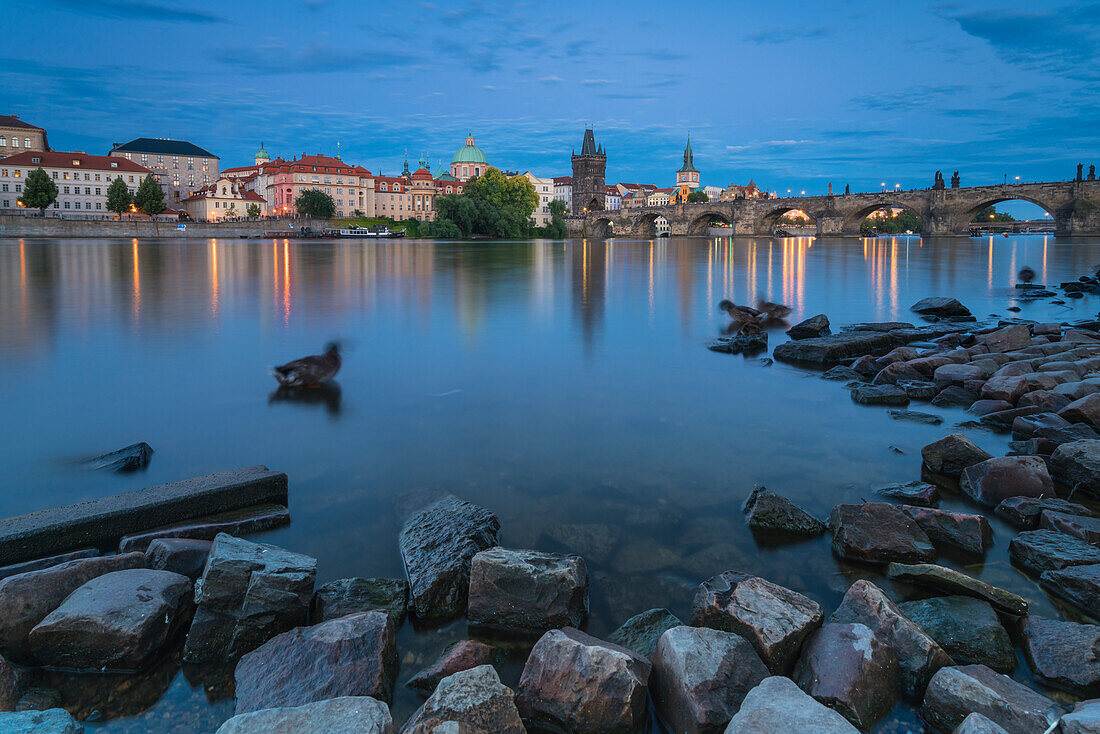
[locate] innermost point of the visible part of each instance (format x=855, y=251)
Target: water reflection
x=326, y=394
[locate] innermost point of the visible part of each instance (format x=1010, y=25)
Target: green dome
x=261, y=154
x=470, y=153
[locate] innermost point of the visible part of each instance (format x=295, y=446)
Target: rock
x=1085, y=719
x=747, y=343
x=1085, y=528
x=527, y=591
x=880, y=395
x=773, y=618
x=178, y=555
x=1003, y=419
x=919, y=389
x=119, y=620
x=975, y=723
x=765, y=510
x=1008, y=339
x=955, y=692
x=349, y=656
x=1077, y=584
x=921, y=494
x=915, y=416
x=348, y=596
x=939, y=306
x=971, y=533
x=1084, y=410
x=129, y=458
x=849, y=668
x=475, y=698
x=991, y=481
x=952, y=454
x=50, y=721
x=1025, y=426
x=1048, y=550
x=968, y=630
x=26, y=599
x=896, y=372
x=1025, y=512
x=1076, y=464
x=576, y=683
x=841, y=374
x=814, y=326
x=1007, y=388
x=867, y=366
x=1063, y=655
x=9, y=686
x=954, y=582
x=641, y=632
x=700, y=677
x=778, y=705
x=958, y=375
x=41, y=563
x=237, y=523
x=900, y=354
x=346, y=714
x=248, y=593
x=593, y=542
x=919, y=655
x=829, y=351
x=877, y=532
x=1050, y=402
x=437, y=545
x=954, y=396
x=462, y=655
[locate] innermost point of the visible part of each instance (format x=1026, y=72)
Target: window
x=160, y=159
x=19, y=188
x=36, y=160
x=4, y=188
x=87, y=191
x=17, y=174
x=66, y=205
x=99, y=205
x=98, y=191
x=76, y=205
x=26, y=142
x=7, y=203
x=3, y=142
x=66, y=190
x=114, y=164
x=15, y=142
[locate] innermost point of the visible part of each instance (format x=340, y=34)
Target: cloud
x=282, y=58
x=598, y=82
x=137, y=10
x=552, y=79
x=787, y=34
x=924, y=95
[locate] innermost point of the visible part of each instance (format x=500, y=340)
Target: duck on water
x=310, y=371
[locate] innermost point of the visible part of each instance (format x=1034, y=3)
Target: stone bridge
x=1074, y=207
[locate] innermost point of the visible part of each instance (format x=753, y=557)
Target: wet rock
x=1069, y=434
x=576, y=683
x=1050, y=402
x=919, y=389
x=462, y=655
x=880, y=395
x=959, y=375
x=914, y=416
x=527, y=591
x=1048, y=550
x=237, y=522
x=1009, y=389
x=248, y=593
x=349, y=656
x=867, y=366
x=1008, y=339
x=1076, y=464
x=939, y=306
x=775, y=619
x=829, y=351
x=954, y=396
x=129, y=458
x=919, y=655
x=778, y=705
x=968, y=630
x=877, y=532
x=475, y=698
x=1084, y=410
x=641, y=632
x=1085, y=528
x=9, y=686
x=1025, y=426
x=592, y=541
x=970, y=533
x=985, y=407
x=42, y=563
x=1077, y=391
x=178, y=555
x=348, y=596
x=1063, y=655
x=921, y=494
x=812, y=327
x=1077, y=584
x=849, y=668
x=119, y=620
x=765, y=510
x=842, y=374
x=358, y=714
x=954, y=582
x=956, y=692
x=975, y=723
x=1025, y=512
x=701, y=676
x=952, y=454
x=900, y=354
x=895, y=372
x=50, y=721
x=741, y=343
x=1085, y=719
x=26, y=599
x=1003, y=419
x=992, y=481
x=437, y=545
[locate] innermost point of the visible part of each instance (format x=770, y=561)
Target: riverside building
x=81, y=179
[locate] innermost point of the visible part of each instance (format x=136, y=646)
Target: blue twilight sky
x=791, y=94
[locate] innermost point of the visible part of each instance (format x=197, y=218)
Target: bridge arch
x=854, y=221
x=770, y=220
x=601, y=228
x=699, y=224
x=962, y=221
x=644, y=225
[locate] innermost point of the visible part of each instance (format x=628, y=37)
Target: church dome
x=470, y=153
x=261, y=154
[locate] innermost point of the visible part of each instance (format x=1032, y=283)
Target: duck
x=776, y=311
x=745, y=319
x=310, y=371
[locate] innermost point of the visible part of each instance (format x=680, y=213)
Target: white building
x=81, y=179
x=613, y=200
x=221, y=200
x=544, y=187
x=563, y=191
x=714, y=193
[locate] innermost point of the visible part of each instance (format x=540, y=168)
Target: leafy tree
x=358, y=214
x=698, y=197
x=556, y=228
x=315, y=203
x=118, y=197
x=990, y=214
x=38, y=191
x=890, y=223
x=231, y=211
x=150, y=196
x=254, y=210
x=445, y=229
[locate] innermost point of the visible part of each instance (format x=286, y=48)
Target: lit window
x=3, y=142
x=26, y=142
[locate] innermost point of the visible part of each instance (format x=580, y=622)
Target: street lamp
x=897, y=186
x=883, y=184
x=788, y=193
x=803, y=192
x=1017, y=179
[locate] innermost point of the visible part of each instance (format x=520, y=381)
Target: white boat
x=373, y=232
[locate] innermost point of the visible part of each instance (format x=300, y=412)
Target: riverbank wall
x=14, y=225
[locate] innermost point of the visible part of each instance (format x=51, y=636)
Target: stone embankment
x=12, y=225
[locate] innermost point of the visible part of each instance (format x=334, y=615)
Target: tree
x=315, y=203
x=990, y=214
x=556, y=228
x=445, y=229
x=231, y=212
x=358, y=214
x=38, y=191
x=254, y=210
x=150, y=196
x=118, y=197
x=698, y=197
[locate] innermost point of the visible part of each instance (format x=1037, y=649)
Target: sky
x=793, y=95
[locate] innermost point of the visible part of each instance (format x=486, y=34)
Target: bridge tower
x=687, y=178
x=589, y=169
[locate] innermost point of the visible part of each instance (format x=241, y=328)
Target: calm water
x=554, y=383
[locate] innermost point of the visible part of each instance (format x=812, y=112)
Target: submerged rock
x=641, y=632
x=778, y=705
x=1048, y=550
x=768, y=511
x=1063, y=655
x=462, y=655
x=968, y=630
x=915, y=416
x=939, y=306
x=954, y=582
x=918, y=493
x=50, y=721
x=348, y=596
x=877, y=532
x=129, y=458
x=527, y=591
x=473, y=698
x=952, y=454
x=955, y=692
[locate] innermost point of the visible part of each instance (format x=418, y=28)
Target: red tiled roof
x=563, y=180
x=307, y=163
x=13, y=121
x=241, y=168
x=55, y=159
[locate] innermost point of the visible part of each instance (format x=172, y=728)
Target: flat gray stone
x=1063, y=655
x=178, y=555
x=1049, y=550
x=343, y=715
x=1085, y=719
x=955, y=582
x=348, y=596
x=1077, y=584
x=50, y=721
x=956, y=692
x=778, y=705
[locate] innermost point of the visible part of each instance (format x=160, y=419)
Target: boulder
x=348, y=656
x=178, y=555
x=26, y=598
x=956, y=692
x=348, y=596
x=919, y=389
x=50, y=721
x=358, y=714
x=919, y=656
x=527, y=591
x=915, y=416
x=128, y=458
x=773, y=618
x=900, y=354
x=1008, y=339
x=1049, y=550
x=877, y=532
x=920, y=494
x=701, y=676
x=954, y=582
x=462, y=655
x=248, y=593
x=939, y=306
x=880, y=395
x=474, y=698
x=1025, y=512
x=991, y=481
x=814, y=326
x=119, y=620
x=896, y=372
x=437, y=545
x=576, y=683
x=246, y=521
x=985, y=407
x=841, y=374
x=958, y=375
x=1063, y=655
x=641, y=632
x=1083, y=410
x=9, y=686
x=40, y=563
x=1006, y=388
x=952, y=454
x=1050, y=402
x=975, y=723
x=1085, y=528
x=1077, y=584
x=970, y=533
x=954, y=396
x=767, y=511
x=849, y=668
x=968, y=630
x=1085, y=719
x=1025, y=426
x=829, y=351
x=1003, y=419
x=1076, y=464
x=778, y=705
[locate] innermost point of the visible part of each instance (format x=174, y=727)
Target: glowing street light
x=883, y=184
x=1017, y=179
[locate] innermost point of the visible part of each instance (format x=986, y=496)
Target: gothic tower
x=589, y=192
x=687, y=178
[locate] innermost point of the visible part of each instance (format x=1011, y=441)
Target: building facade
x=563, y=191
x=17, y=136
x=544, y=188
x=469, y=160
x=181, y=168
x=612, y=198
x=750, y=191
x=81, y=179
x=660, y=197
x=687, y=178
x=224, y=199
x=280, y=182
x=589, y=171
